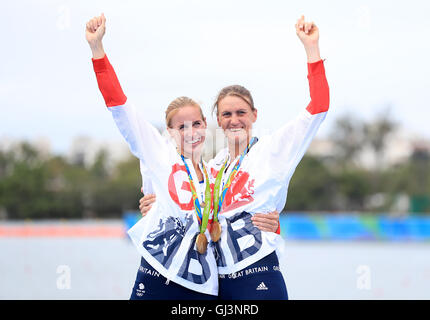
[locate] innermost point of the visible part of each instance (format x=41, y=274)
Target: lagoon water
x=105, y=268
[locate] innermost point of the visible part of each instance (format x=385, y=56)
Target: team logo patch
x=262, y=286
x=180, y=189
x=140, y=290
x=240, y=192
x=164, y=241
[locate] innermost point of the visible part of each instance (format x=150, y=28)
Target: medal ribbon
x=218, y=201
x=201, y=218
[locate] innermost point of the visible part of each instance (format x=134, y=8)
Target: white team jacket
x=166, y=237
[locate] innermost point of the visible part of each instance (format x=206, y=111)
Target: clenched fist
x=309, y=34
x=96, y=28
x=94, y=32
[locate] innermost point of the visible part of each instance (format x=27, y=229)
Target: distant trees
x=341, y=183
x=33, y=187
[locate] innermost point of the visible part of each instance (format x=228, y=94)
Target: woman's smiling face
x=188, y=129
x=236, y=118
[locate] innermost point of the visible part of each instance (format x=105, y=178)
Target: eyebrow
x=240, y=110
x=192, y=122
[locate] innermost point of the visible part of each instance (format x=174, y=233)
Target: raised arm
x=144, y=140
x=290, y=142
x=94, y=33
x=308, y=34
x=106, y=77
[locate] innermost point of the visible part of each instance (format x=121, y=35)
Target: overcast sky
x=376, y=56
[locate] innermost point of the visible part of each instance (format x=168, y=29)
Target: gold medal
x=202, y=204
x=201, y=243
x=215, y=231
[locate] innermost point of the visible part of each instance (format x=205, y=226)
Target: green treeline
x=317, y=185
x=34, y=186
x=340, y=181
x=39, y=186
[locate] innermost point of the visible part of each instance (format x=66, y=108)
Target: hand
x=145, y=203
x=309, y=34
x=95, y=29
x=94, y=32
x=266, y=221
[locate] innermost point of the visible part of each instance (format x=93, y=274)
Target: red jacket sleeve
x=279, y=228
x=318, y=88
x=108, y=82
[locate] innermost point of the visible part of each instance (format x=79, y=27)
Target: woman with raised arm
x=252, y=175
x=171, y=267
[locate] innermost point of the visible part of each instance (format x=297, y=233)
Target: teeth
x=236, y=130
x=193, y=141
